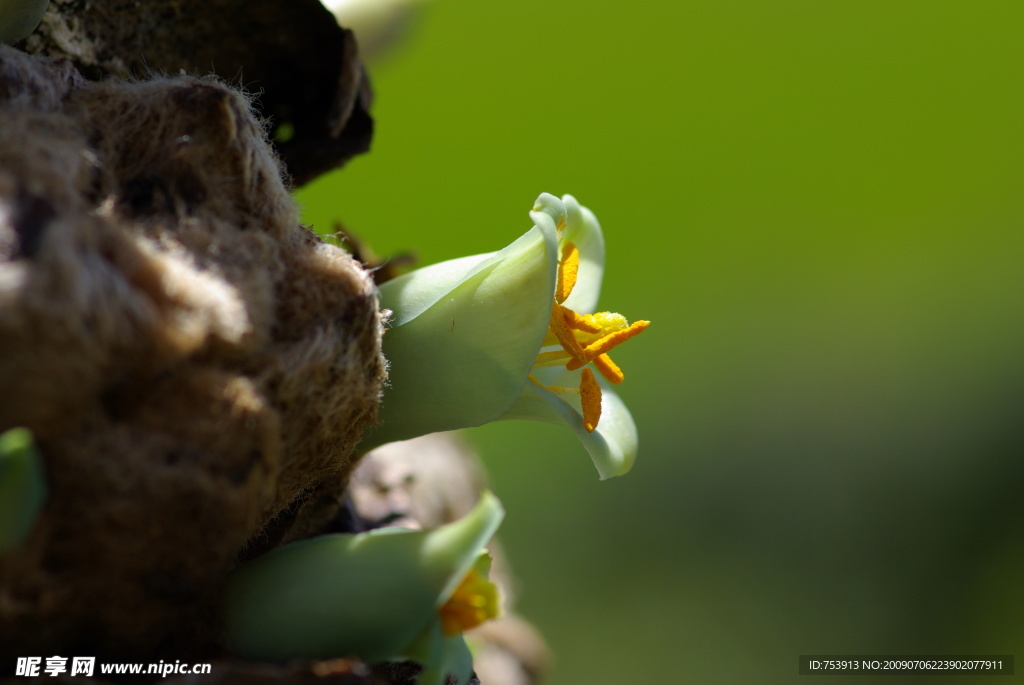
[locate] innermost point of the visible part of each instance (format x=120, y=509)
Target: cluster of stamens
x=583, y=340
x=474, y=601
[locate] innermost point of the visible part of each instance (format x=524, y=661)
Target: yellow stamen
x=568, y=269
x=553, y=388
x=611, y=372
x=583, y=338
x=552, y=358
x=474, y=601
x=560, y=327
x=606, y=344
x=590, y=398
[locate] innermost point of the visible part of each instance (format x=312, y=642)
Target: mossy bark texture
x=191, y=360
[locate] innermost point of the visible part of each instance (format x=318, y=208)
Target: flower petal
x=370, y=595
x=580, y=227
x=441, y=655
x=465, y=335
x=583, y=230
x=412, y=293
x=612, y=445
x=446, y=550
x=548, y=211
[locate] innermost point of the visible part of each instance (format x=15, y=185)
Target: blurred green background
x=819, y=206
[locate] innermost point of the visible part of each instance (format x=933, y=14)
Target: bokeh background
x=819, y=206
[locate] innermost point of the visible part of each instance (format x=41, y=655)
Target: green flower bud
x=19, y=18
x=22, y=487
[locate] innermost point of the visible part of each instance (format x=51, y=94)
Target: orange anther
x=590, y=399
x=606, y=344
x=568, y=269
x=580, y=323
x=474, y=601
x=560, y=327
x=611, y=372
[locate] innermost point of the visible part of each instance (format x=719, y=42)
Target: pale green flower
x=19, y=18
x=387, y=595
x=22, y=487
x=511, y=335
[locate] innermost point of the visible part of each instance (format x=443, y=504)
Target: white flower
x=386, y=595
x=511, y=335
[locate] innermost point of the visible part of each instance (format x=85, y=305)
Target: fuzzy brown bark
x=189, y=358
x=303, y=68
